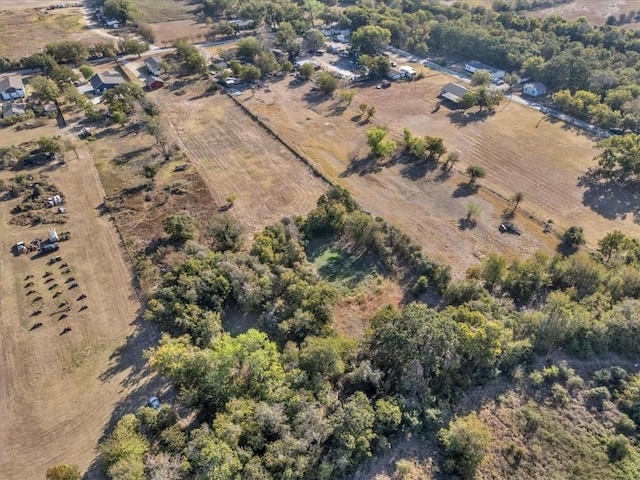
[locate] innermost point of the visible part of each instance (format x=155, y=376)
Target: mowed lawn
x=235, y=157
x=521, y=151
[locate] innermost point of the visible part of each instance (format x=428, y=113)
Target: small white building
x=534, y=89
x=394, y=74
x=496, y=74
x=407, y=71
x=154, y=65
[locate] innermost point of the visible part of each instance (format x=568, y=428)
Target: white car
x=154, y=402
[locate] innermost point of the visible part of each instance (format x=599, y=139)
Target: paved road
x=516, y=98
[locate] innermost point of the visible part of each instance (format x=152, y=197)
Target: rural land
x=319, y=239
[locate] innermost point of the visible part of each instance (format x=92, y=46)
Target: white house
x=11, y=88
x=496, y=74
x=154, y=65
x=534, y=89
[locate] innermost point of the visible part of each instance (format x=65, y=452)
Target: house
x=453, y=92
x=11, y=88
x=154, y=83
x=10, y=109
x=154, y=65
x=394, y=74
x=407, y=71
x=496, y=74
x=534, y=89
x=242, y=24
x=101, y=82
x=112, y=23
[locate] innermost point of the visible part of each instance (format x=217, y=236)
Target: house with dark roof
x=11, y=88
x=453, y=92
x=101, y=82
x=154, y=65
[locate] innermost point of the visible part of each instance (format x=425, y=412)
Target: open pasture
x=60, y=391
x=25, y=32
x=521, y=151
x=236, y=157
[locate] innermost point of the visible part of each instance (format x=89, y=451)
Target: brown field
x=596, y=11
x=167, y=32
x=236, y=157
x=521, y=152
x=26, y=32
x=154, y=11
x=22, y=4
x=60, y=392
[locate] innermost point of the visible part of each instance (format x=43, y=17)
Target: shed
x=13, y=108
x=534, y=89
x=453, y=92
x=154, y=83
x=394, y=74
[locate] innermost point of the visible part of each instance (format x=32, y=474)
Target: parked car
x=154, y=402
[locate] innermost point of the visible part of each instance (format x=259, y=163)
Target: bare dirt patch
x=235, y=156
x=59, y=392
x=154, y=11
x=520, y=150
x=25, y=32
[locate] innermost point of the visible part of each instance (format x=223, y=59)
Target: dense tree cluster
x=297, y=400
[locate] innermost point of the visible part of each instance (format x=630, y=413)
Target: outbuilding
x=154, y=83
x=534, y=89
x=453, y=92
x=153, y=65
x=496, y=74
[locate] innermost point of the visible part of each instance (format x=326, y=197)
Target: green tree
x=473, y=212
x=313, y=40
x=249, y=48
x=63, y=471
x=131, y=46
x=122, y=10
x=573, y=236
x=49, y=145
x=612, y=243
x=68, y=51
x=86, y=71
x=306, y=70
x=466, y=443
x=180, y=227
x=370, y=39
x=346, y=96
x=327, y=83
x=481, y=77
x=122, y=452
x=380, y=145
x=620, y=156
x=250, y=73
x=43, y=89
x=475, y=172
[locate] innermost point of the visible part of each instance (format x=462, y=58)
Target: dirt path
x=58, y=393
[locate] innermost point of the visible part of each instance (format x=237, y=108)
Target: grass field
x=26, y=32
x=154, y=11
x=59, y=393
x=236, y=157
x=167, y=32
x=520, y=150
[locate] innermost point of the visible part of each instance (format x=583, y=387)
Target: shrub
x=559, y=395
x=466, y=443
x=597, y=396
x=618, y=448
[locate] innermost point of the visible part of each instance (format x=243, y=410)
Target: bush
x=63, y=472
x=618, y=448
x=466, y=443
x=597, y=396
x=559, y=395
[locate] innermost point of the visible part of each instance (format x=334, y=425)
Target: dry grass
x=167, y=32
x=26, y=32
x=64, y=390
x=155, y=11
x=520, y=152
x=234, y=156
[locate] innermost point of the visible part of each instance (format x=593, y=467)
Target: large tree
x=370, y=39
x=620, y=157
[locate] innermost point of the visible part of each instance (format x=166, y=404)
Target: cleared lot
x=521, y=151
x=58, y=392
x=236, y=157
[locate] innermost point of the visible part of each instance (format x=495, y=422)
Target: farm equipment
x=21, y=248
x=509, y=228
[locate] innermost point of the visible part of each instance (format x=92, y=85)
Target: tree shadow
x=467, y=223
x=444, y=175
x=362, y=166
x=463, y=118
x=611, y=198
x=465, y=189
x=417, y=170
